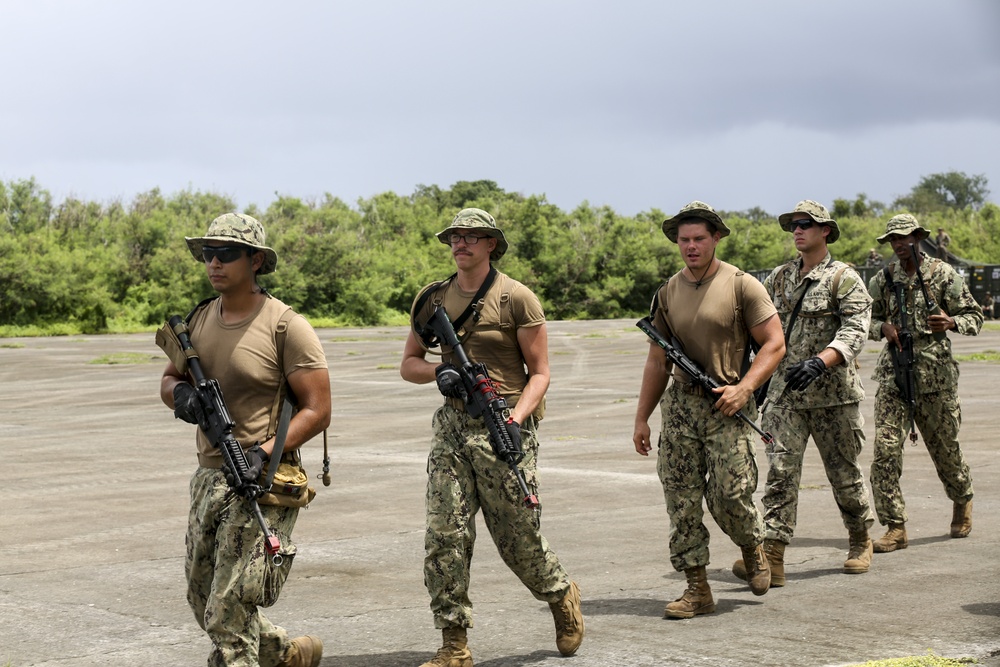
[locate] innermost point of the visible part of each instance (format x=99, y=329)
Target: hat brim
x=497, y=234
x=921, y=233
x=785, y=221
x=195, y=243
x=670, y=225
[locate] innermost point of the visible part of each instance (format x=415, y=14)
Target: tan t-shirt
x=492, y=339
x=243, y=358
x=712, y=321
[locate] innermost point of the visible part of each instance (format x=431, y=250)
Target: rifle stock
x=220, y=433
x=483, y=401
x=697, y=375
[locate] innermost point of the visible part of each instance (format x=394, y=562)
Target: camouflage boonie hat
x=696, y=209
x=239, y=228
x=903, y=224
x=817, y=212
x=476, y=218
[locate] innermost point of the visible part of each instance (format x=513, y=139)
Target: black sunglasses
x=802, y=224
x=223, y=253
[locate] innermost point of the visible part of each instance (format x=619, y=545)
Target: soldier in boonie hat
x=903, y=224
x=476, y=218
x=239, y=228
x=696, y=210
x=817, y=213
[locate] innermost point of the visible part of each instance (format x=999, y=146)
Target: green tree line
x=84, y=266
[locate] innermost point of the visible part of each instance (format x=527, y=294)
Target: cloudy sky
x=632, y=104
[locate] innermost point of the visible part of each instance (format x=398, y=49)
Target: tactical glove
x=514, y=430
x=449, y=382
x=256, y=460
x=801, y=375
x=187, y=406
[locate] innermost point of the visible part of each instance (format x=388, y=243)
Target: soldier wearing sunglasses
x=229, y=575
x=816, y=389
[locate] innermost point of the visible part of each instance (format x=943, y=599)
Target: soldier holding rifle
x=944, y=303
x=500, y=323
x=229, y=572
x=705, y=454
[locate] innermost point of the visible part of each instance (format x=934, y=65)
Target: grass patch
x=991, y=325
x=929, y=660
x=990, y=356
x=386, y=367
x=12, y=346
x=124, y=358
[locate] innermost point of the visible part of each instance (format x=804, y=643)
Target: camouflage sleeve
x=855, y=307
x=880, y=305
x=957, y=301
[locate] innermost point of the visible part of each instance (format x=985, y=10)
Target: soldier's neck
x=470, y=279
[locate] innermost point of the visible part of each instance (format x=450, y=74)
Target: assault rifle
x=697, y=375
x=482, y=399
x=220, y=432
x=902, y=358
x=932, y=307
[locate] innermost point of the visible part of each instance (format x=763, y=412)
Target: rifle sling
x=279, y=442
x=469, y=310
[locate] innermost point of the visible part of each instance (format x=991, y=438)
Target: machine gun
x=220, y=432
x=902, y=358
x=697, y=375
x=932, y=307
x=482, y=399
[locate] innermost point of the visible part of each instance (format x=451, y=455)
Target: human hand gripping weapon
x=697, y=375
x=482, y=400
x=902, y=360
x=218, y=428
x=932, y=307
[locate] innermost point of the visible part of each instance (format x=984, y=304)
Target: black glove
x=449, y=382
x=514, y=430
x=801, y=375
x=187, y=406
x=256, y=460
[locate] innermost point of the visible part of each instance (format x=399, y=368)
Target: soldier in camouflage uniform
x=504, y=328
x=229, y=574
x=704, y=453
x=816, y=390
x=938, y=413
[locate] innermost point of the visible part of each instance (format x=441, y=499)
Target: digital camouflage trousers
x=464, y=476
x=229, y=574
x=839, y=437
x=938, y=417
x=705, y=456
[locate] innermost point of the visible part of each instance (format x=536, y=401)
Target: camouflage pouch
x=289, y=488
x=167, y=340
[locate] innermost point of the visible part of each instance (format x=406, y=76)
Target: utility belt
x=293, y=458
x=688, y=388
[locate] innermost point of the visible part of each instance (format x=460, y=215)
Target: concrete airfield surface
x=95, y=503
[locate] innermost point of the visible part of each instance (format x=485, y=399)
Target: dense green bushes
x=91, y=267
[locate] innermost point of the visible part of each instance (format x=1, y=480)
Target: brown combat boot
x=758, y=569
x=961, y=520
x=696, y=600
x=569, y=620
x=454, y=652
x=894, y=538
x=304, y=652
x=775, y=552
x=859, y=557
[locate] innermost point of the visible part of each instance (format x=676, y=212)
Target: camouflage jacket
x=839, y=321
x=934, y=366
